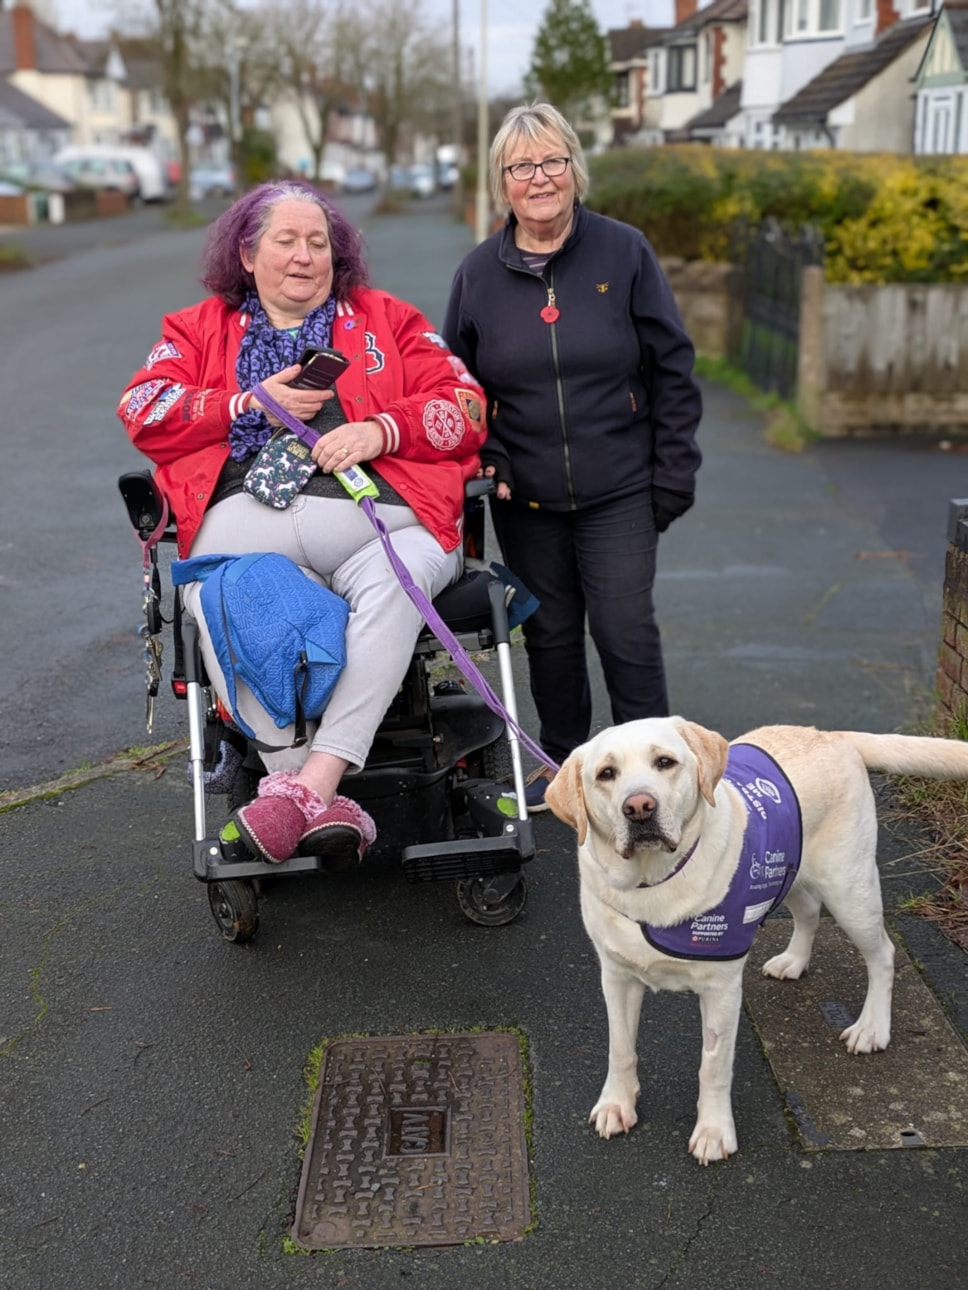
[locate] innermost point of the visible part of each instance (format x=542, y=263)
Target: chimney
x=887, y=16
x=686, y=8
x=24, y=50
x=635, y=22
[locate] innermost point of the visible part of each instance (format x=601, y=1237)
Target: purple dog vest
x=767, y=866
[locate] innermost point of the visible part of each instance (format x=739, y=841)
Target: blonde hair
x=534, y=122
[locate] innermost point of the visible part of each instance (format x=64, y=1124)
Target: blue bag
x=273, y=628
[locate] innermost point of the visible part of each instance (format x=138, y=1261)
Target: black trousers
x=598, y=564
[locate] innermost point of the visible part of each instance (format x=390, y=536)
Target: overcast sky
x=511, y=26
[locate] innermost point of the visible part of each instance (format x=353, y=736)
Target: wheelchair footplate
x=491, y=839
x=214, y=860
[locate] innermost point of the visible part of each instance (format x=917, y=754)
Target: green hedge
x=883, y=218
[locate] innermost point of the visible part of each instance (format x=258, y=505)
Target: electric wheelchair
x=443, y=780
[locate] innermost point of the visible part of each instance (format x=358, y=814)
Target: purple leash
x=465, y=664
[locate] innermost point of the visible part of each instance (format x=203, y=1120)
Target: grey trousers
x=333, y=541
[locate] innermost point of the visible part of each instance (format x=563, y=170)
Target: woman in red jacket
x=286, y=271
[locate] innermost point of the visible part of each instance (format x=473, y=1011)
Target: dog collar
x=682, y=862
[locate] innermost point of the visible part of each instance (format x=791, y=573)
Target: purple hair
x=246, y=220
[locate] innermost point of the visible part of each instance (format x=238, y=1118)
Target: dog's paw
x=862, y=1037
x=785, y=967
x=711, y=1142
x=610, y=1117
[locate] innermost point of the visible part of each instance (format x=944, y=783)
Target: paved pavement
x=151, y=1075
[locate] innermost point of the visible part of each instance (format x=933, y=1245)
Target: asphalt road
x=151, y=1075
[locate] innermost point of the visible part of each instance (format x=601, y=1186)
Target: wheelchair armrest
x=147, y=508
x=474, y=488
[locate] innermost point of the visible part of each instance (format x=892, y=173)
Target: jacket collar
x=508, y=252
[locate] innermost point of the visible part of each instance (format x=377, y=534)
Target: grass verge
x=14, y=256
x=785, y=428
x=940, y=807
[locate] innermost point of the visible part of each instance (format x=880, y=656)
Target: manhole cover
x=416, y=1140
x=915, y=1093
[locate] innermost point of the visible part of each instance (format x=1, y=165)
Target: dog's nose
x=639, y=806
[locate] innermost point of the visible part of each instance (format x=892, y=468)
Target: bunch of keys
x=153, y=650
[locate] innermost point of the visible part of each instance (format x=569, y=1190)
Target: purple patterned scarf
x=266, y=350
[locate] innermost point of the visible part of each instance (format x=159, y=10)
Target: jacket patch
x=140, y=397
x=460, y=368
x=435, y=339
x=164, y=349
x=376, y=360
x=472, y=408
x=166, y=402
x=444, y=424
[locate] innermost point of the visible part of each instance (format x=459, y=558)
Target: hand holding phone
x=320, y=368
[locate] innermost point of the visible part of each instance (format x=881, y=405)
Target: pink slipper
x=273, y=824
x=339, y=834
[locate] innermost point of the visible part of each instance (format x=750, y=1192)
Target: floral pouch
x=282, y=469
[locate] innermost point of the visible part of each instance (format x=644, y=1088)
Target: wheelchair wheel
x=496, y=761
x=235, y=908
x=493, y=902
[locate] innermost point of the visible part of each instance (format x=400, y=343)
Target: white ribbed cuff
x=391, y=432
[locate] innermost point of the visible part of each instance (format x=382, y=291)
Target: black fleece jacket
x=600, y=402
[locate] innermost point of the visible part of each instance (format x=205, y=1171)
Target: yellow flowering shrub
x=882, y=217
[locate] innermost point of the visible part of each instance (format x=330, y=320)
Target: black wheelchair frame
x=443, y=779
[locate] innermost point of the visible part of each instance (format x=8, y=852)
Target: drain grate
x=416, y=1140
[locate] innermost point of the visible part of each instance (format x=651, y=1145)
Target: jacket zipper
x=559, y=390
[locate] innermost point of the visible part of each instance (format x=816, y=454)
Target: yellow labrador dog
x=686, y=843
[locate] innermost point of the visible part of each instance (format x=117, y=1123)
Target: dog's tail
x=911, y=754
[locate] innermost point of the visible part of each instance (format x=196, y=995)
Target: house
x=28, y=130
x=46, y=67
x=863, y=103
x=941, y=84
x=629, y=60
x=691, y=67
x=864, y=100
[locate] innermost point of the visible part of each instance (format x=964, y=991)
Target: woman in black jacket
x=567, y=320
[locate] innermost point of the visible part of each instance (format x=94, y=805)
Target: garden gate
x=773, y=262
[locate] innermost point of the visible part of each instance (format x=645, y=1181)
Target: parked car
x=43, y=175
x=359, y=180
x=210, y=181
x=423, y=182
x=147, y=166
x=104, y=172
x=447, y=175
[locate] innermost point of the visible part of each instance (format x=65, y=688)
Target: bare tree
x=181, y=29
x=407, y=71
x=317, y=49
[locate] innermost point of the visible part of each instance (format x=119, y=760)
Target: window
x=101, y=95
x=829, y=15
x=621, y=89
x=763, y=23
x=682, y=67
x=656, y=84
x=865, y=10
x=814, y=17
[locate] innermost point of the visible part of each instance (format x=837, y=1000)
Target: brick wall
x=952, y=675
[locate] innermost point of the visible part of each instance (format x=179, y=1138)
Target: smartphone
x=320, y=368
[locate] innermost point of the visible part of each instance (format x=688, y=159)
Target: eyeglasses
x=552, y=168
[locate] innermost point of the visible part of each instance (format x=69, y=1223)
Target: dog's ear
x=565, y=797
x=711, y=751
